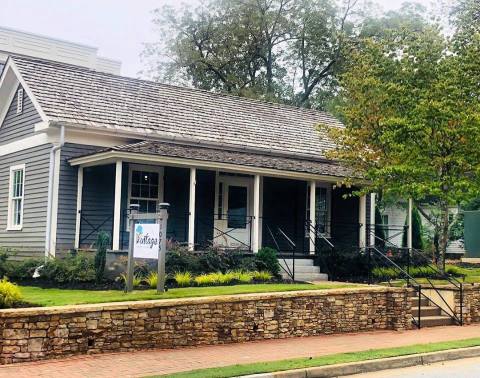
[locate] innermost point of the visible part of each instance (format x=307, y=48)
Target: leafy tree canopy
x=410, y=104
x=280, y=50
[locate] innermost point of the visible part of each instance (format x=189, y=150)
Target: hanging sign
x=146, y=241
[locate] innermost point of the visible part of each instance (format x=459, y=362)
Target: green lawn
x=299, y=363
x=60, y=297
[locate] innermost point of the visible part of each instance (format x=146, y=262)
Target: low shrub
x=22, y=270
x=183, y=279
x=9, y=294
x=76, y=268
x=266, y=259
x=262, y=276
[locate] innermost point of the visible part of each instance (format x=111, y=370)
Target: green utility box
x=472, y=233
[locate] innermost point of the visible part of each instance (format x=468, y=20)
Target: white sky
x=117, y=27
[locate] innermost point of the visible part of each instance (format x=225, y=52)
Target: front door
x=233, y=219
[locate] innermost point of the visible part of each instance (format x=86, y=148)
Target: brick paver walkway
x=144, y=363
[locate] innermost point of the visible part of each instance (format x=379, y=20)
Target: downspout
x=51, y=178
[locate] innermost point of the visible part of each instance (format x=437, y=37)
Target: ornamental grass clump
x=9, y=294
x=262, y=276
x=151, y=280
x=242, y=277
x=183, y=279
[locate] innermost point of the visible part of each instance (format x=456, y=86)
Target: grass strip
x=341, y=358
x=60, y=297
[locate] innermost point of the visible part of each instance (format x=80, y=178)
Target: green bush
x=71, y=269
x=266, y=259
x=211, y=279
x=183, y=279
x=22, y=270
x=102, y=243
x=9, y=294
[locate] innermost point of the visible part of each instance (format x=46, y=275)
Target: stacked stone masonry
x=41, y=333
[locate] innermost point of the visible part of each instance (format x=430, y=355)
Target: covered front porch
x=229, y=206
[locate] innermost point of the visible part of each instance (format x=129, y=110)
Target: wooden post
x=312, y=220
x=117, y=212
x=362, y=218
x=191, y=209
x=256, y=214
x=373, y=205
x=162, y=219
x=79, y=206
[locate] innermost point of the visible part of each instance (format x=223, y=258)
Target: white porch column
x=362, y=219
x=312, y=228
x=79, y=206
x=191, y=209
x=373, y=205
x=409, y=221
x=117, y=212
x=256, y=214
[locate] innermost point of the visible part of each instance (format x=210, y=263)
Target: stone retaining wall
x=41, y=333
x=471, y=303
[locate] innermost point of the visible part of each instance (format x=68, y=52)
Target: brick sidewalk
x=138, y=364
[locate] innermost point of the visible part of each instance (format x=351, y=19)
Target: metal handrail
x=287, y=270
x=417, y=285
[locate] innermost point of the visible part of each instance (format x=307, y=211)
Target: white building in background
x=22, y=43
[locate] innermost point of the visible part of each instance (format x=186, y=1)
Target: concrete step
x=424, y=302
x=435, y=321
x=305, y=269
x=310, y=277
x=426, y=311
x=298, y=261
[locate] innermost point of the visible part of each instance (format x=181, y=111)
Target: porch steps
x=305, y=270
x=430, y=315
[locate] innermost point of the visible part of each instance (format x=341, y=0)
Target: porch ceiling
x=154, y=150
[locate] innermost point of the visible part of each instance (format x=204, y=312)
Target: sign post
x=162, y=213
x=148, y=241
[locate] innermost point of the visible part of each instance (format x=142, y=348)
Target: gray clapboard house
x=78, y=146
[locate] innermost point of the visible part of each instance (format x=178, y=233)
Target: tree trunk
x=443, y=237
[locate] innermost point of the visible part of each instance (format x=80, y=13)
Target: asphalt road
x=466, y=368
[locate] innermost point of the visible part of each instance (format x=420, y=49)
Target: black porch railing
x=91, y=223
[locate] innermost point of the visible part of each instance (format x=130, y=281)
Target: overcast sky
x=117, y=27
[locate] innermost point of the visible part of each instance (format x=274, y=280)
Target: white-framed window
x=145, y=187
x=16, y=197
x=323, y=204
x=20, y=101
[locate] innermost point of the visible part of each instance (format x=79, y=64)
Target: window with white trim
x=20, y=101
x=16, y=197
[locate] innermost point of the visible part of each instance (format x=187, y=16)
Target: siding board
x=18, y=126
x=30, y=241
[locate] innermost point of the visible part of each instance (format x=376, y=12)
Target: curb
x=373, y=365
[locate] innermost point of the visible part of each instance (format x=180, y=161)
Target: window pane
x=135, y=190
x=153, y=191
x=237, y=207
x=136, y=177
x=144, y=191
